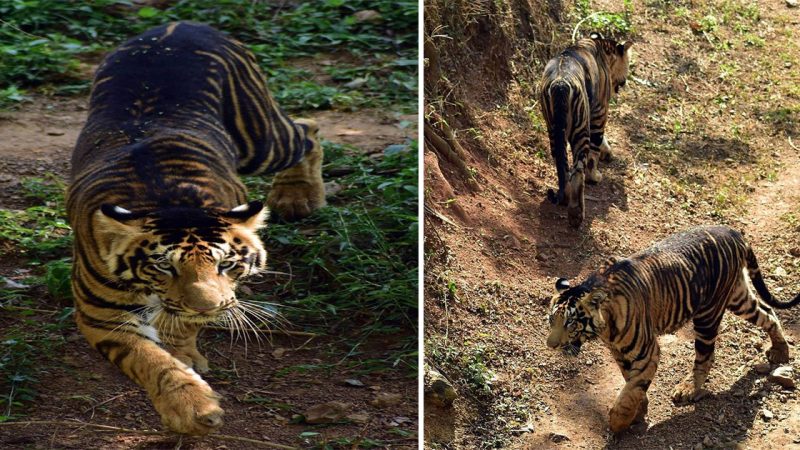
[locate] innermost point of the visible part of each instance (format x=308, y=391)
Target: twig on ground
x=91, y=408
x=792, y=143
x=97, y=426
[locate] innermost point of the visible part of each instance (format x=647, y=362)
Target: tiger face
x=184, y=263
x=574, y=317
x=617, y=55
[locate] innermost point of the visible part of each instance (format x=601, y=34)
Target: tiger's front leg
x=691, y=388
x=631, y=403
x=299, y=190
x=185, y=402
x=182, y=344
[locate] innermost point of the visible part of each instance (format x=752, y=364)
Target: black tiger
x=696, y=275
x=163, y=229
x=575, y=90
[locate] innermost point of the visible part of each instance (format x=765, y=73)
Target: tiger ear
x=115, y=225
x=623, y=47
x=250, y=215
x=562, y=284
x=597, y=297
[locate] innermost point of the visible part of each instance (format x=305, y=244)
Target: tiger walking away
x=696, y=275
x=575, y=90
x=163, y=229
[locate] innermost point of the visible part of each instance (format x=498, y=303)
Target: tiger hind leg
x=748, y=307
x=705, y=330
x=299, y=190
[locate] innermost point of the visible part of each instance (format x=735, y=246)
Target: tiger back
x=576, y=87
x=695, y=275
x=163, y=230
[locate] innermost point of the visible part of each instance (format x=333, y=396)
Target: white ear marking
x=241, y=208
x=121, y=210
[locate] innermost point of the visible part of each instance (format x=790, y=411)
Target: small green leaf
x=148, y=12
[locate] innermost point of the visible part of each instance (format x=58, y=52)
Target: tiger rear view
x=163, y=229
x=575, y=90
x=628, y=303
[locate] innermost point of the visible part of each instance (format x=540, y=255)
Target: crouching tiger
x=695, y=275
x=575, y=89
x=163, y=229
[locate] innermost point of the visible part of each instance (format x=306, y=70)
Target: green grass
x=609, y=24
x=363, y=247
x=44, y=44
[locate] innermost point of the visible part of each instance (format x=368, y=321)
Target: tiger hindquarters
x=299, y=190
x=185, y=402
x=746, y=305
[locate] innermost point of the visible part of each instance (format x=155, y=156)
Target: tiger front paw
x=192, y=359
x=621, y=417
x=778, y=353
x=296, y=200
x=191, y=408
x=686, y=392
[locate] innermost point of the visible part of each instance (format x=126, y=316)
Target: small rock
x=353, y=382
x=767, y=415
x=55, y=132
x=784, y=376
x=698, y=446
x=707, y=441
x=326, y=412
x=332, y=188
x=438, y=389
x=762, y=368
x=527, y=428
x=791, y=3
x=368, y=15
x=780, y=272
x=355, y=83
x=795, y=251
x=557, y=437
x=278, y=353
x=359, y=417
x=385, y=399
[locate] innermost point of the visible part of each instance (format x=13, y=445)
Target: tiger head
x=184, y=261
x=617, y=56
x=575, y=316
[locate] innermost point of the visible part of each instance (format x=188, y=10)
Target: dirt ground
x=498, y=246
x=263, y=385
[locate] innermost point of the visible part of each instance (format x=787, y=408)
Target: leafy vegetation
x=364, y=246
x=607, y=23
x=48, y=44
